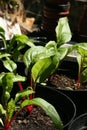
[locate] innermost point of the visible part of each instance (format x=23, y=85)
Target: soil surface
x=60, y=81
x=37, y=120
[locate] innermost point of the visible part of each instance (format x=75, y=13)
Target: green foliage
x=43, y=68
x=48, y=108
x=10, y=110
x=21, y=40
x=10, y=65
x=2, y=36
x=16, y=44
x=82, y=61
x=63, y=32
x=7, y=81
x=23, y=93
x=42, y=61
x=34, y=54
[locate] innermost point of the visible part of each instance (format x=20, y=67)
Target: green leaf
x=3, y=55
x=2, y=35
x=48, y=108
x=1, y=76
x=23, y=93
x=34, y=54
x=21, y=40
x=7, y=81
x=18, y=78
x=83, y=77
x=2, y=32
x=63, y=32
x=2, y=110
x=51, y=47
x=42, y=69
x=61, y=53
x=81, y=57
x=1, y=121
x=83, y=54
x=10, y=109
x=82, y=45
x=10, y=65
x=17, y=55
x=5, y=97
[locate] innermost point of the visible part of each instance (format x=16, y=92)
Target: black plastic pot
x=63, y=104
x=79, y=97
x=80, y=123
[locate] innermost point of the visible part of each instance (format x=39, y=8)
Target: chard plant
x=81, y=56
x=12, y=49
x=42, y=61
x=9, y=106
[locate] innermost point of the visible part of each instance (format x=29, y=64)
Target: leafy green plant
x=81, y=56
x=13, y=49
x=9, y=106
x=42, y=61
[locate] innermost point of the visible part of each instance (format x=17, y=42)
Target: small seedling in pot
x=81, y=56
x=9, y=106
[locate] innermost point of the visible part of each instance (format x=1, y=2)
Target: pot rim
x=74, y=106
x=67, y=97
x=77, y=119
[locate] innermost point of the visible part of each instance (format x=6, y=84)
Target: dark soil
x=60, y=81
x=37, y=120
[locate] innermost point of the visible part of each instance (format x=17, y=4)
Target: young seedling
x=46, y=59
x=8, y=106
x=81, y=55
x=42, y=61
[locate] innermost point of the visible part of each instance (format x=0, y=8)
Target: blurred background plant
x=35, y=9
x=11, y=9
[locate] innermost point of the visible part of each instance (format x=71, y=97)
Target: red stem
x=29, y=108
x=8, y=124
x=20, y=86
